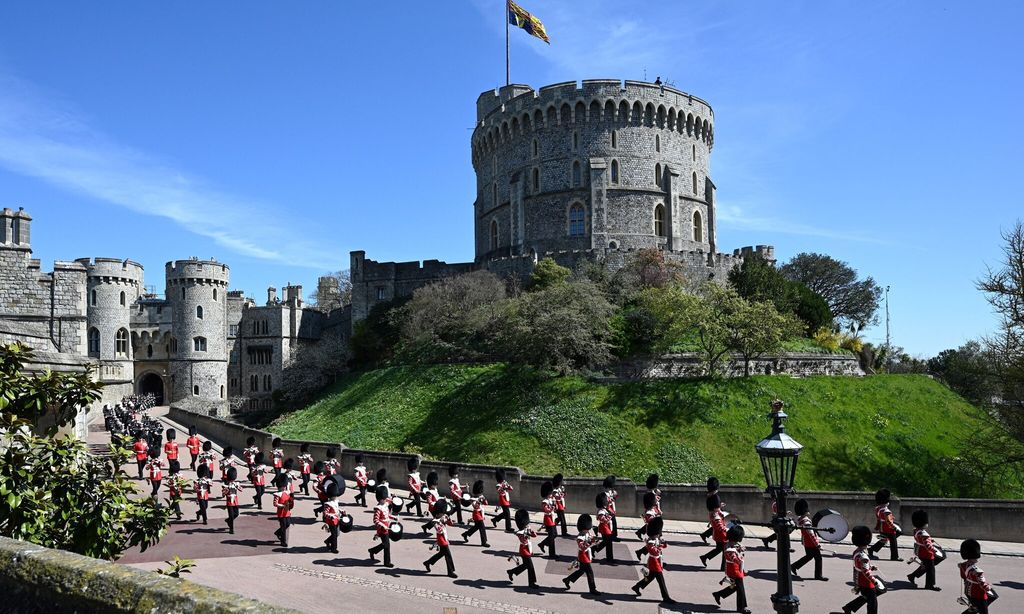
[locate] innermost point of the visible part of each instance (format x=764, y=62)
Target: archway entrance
x=151, y=383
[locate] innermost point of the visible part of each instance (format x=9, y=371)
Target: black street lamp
x=779, y=453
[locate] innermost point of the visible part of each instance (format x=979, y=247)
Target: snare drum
x=940, y=554
x=831, y=519
x=397, y=503
x=371, y=485
x=345, y=524
x=466, y=500
x=395, y=531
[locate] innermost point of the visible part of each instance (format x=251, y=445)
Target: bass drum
x=395, y=531
x=345, y=524
x=835, y=526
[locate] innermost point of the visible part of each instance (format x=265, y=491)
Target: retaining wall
x=34, y=579
x=995, y=520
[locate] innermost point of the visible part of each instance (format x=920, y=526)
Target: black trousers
x=203, y=504
x=606, y=545
x=981, y=605
x=442, y=552
x=560, y=521
x=549, y=541
x=585, y=568
x=361, y=496
x=385, y=545
x=651, y=577
x=176, y=507
x=192, y=465
x=478, y=525
x=141, y=464
x=615, y=527
x=506, y=514
x=809, y=554
x=415, y=501
x=741, y=593
x=718, y=549
x=305, y=484
x=868, y=596
x=282, y=531
x=232, y=514
x=894, y=552
x=332, y=539
x=926, y=569
x=706, y=534
x=257, y=496
x=458, y=510
x=156, y=487
x=527, y=566
x=770, y=539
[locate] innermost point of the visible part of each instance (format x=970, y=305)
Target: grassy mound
x=900, y=431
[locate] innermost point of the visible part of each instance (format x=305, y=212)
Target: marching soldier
x=193, y=444
x=718, y=530
x=141, y=448
x=208, y=457
x=333, y=516
x=382, y=523
x=455, y=488
x=202, y=487
x=524, y=534
x=655, y=568
x=654, y=508
x=548, y=506
x=584, y=541
x=230, y=489
x=652, y=512
x=227, y=462
x=809, y=538
x=775, y=510
x=332, y=464
x=612, y=494
x=250, y=452
x=175, y=488
x=154, y=469
x=277, y=456
x=283, y=503
x=977, y=590
x=305, y=467
x=441, y=523
x=558, y=494
x=925, y=551
x=503, y=489
x=415, y=486
x=431, y=495
x=479, y=502
x=171, y=446
x=886, y=525
x=712, y=488
x=258, y=477
x=865, y=584
x=734, y=571
x=604, y=528
x=361, y=479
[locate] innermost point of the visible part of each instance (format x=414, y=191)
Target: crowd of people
x=597, y=533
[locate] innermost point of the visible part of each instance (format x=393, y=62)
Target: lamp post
x=779, y=453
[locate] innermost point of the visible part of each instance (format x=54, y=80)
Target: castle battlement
x=113, y=270
x=199, y=271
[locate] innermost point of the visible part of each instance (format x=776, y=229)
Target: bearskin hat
x=522, y=519
x=276, y=442
x=556, y=481
x=860, y=536
x=652, y=481
x=609, y=482
x=655, y=527
x=584, y=523
x=171, y=434
x=713, y=484
x=499, y=474
x=970, y=549
x=650, y=499
x=478, y=487
x=919, y=519
x=801, y=506
x=883, y=496
x=432, y=478
x=714, y=502
x=546, y=489
x=413, y=463
x=735, y=533
x=232, y=474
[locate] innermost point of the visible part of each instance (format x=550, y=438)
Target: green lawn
x=898, y=431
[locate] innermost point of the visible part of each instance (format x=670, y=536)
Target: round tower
x=601, y=165
x=112, y=288
x=197, y=294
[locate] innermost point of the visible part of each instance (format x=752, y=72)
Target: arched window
x=199, y=312
x=122, y=298
x=199, y=344
x=222, y=392
x=575, y=140
x=536, y=150
x=254, y=383
x=695, y=183
x=577, y=175
x=657, y=175
x=659, y=220
x=577, y=220
x=195, y=391
x=174, y=345
x=215, y=294
x=94, y=343
x=657, y=142
x=149, y=351
x=615, y=171
x=615, y=139
x=494, y=234
x=698, y=227
x=536, y=180
x=92, y=298
x=121, y=342
x=494, y=195
x=266, y=383
x=694, y=153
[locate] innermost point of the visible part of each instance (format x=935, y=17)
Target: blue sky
x=277, y=137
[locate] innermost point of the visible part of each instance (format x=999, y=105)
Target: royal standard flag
x=517, y=16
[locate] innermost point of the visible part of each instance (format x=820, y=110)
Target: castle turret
x=14, y=229
x=197, y=293
x=112, y=288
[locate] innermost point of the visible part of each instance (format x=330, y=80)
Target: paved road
x=307, y=577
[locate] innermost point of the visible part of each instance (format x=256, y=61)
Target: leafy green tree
x=548, y=273
x=375, y=337
x=756, y=328
x=54, y=492
x=757, y=279
x=812, y=309
x=702, y=318
x=852, y=301
x=564, y=327
x=967, y=370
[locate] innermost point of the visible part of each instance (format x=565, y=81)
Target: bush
x=828, y=339
x=548, y=273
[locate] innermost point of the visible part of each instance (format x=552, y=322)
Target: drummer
x=332, y=516
x=925, y=550
x=441, y=523
x=809, y=538
x=382, y=523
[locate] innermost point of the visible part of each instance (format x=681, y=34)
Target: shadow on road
x=347, y=562
x=252, y=543
x=1010, y=584
x=482, y=584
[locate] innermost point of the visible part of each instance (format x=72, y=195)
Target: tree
x=548, y=273
x=313, y=366
x=648, y=268
x=812, y=309
x=343, y=278
x=55, y=493
x=852, y=301
x=756, y=328
x=564, y=327
x=757, y=279
x=967, y=370
x=375, y=337
x=698, y=319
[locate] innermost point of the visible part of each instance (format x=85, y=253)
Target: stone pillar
x=671, y=184
x=712, y=221
x=598, y=203
x=517, y=232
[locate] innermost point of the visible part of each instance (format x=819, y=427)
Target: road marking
x=412, y=591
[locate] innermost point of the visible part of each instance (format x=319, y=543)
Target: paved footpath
x=308, y=578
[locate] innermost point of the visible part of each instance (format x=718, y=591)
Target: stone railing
x=37, y=579
x=802, y=364
x=996, y=520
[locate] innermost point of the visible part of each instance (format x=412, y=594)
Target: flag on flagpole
x=517, y=16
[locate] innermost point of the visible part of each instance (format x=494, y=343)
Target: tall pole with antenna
x=507, y=77
x=888, y=336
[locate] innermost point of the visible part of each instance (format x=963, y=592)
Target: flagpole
x=507, y=78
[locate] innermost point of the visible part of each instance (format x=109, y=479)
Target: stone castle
x=575, y=172
x=589, y=172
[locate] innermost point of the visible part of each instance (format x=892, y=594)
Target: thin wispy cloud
x=740, y=218
x=46, y=138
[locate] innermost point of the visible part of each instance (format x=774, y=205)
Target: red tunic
x=141, y=450
x=171, y=450
x=278, y=455
x=862, y=574
x=734, y=561
x=886, y=521
x=258, y=479
x=559, y=496
x=332, y=515
x=604, y=518
x=415, y=485
x=432, y=496
x=478, y=508
x=718, y=526
x=525, y=545
x=441, y=529
x=202, y=488
x=282, y=501
x=193, y=445
x=924, y=547
x=382, y=518
x=503, y=489
x=306, y=463
x=975, y=584
x=455, y=489
x=808, y=536
x=548, y=506
x=155, y=466
x=583, y=543
x=654, y=548
x=361, y=475
x=611, y=500
x=230, y=492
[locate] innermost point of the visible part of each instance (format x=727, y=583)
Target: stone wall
x=790, y=363
x=954, y=518
x=41, y=580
